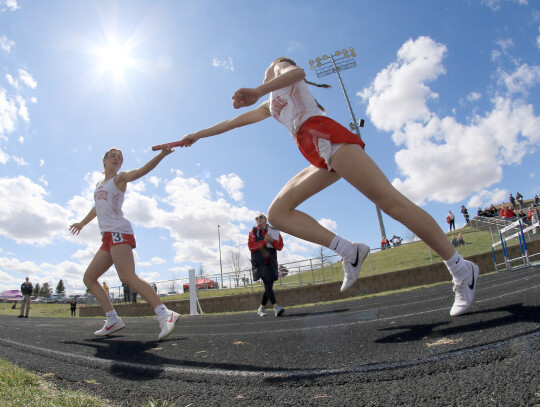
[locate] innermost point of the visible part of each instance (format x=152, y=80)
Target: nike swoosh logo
x=471, y=286
x=356, y=261
x=170, y=320
x=458, y=260
x=108, y=328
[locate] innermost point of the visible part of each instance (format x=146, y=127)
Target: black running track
x=394, y=350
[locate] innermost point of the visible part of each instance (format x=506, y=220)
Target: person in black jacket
x=26, y=290
x=264, y=241
x=73, y=306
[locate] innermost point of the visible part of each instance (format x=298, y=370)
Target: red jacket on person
x=256, y=240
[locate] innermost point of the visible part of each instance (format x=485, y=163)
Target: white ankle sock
x=112, y=315
x=457, y=267
x=344, y=248
x=160, y=310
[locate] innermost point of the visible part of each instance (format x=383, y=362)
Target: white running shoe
x=352, y=270
x=110, y=327
x=278, y=311
x=262, y=311
x=465, y=290
x=167, y=323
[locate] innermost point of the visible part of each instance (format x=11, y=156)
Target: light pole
x=340, y=61
x=220, y=265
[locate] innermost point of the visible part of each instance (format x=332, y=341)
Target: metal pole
x=355, y=124
x=220, y=265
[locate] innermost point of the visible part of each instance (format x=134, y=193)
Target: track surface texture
x=394, y=350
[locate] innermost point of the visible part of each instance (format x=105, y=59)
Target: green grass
x=19, y=387
x=39, y=310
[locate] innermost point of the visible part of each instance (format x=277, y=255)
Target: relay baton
x=180, y=143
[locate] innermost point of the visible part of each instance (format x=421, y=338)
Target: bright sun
x=114, y=57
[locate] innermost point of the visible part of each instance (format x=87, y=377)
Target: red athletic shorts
x=110, y=239
x=322, y=127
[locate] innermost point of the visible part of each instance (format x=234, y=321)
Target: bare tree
x=323, y=254
x=237, y=262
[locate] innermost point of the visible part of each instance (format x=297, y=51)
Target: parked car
x=57, y=299
x=38, y=300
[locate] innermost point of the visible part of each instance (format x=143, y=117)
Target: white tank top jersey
x=293, y=105
x=109, y=200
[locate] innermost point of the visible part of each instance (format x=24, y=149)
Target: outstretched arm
x=123, y=178
x=77, y=227
x=285, y=74
x=256, y=115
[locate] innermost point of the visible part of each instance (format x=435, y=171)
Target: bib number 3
x=117, y=237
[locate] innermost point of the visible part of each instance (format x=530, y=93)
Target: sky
x=449, y=91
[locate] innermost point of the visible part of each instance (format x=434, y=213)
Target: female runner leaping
x=334, y=152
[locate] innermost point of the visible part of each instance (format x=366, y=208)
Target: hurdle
x=525, y=258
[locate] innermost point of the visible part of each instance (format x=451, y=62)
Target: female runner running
x=334, y=153
x=118, y=243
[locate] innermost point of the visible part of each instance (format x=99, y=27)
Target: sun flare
x=114, y=57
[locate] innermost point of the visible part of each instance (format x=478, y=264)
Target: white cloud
x=399, y=94
x=486, y=198
x=6, y=43
x=473, y=96
x=8, y=113
x=441, y=159
x=495, y=5
x=521, y=79
x=158, y=260
x=10, y=4
x=20, y=161
x=4, y=158
x=233, y=184
x=25, y=215
x=225, y=64
x=328, y=224
x=27, y=79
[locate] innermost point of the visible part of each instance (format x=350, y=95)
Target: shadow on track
x=516, y=313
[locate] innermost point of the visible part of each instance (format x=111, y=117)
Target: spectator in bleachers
x=460, y=240
x=451, y=220
x=536, y=200
x=512, y=200
x=533, y=215
x=522, y=215
x=454, y=241
x=396, y=240
x=487, y=212
x=507, y=212
x=385, y=244
x=465, y=214
x=519, y=198
x=480, y=212
x=493, y=210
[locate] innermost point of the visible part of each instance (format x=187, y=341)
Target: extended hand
x=76, y=228
x=189, y=140
x=245, y=97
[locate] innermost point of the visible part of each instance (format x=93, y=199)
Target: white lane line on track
x=277, y=374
